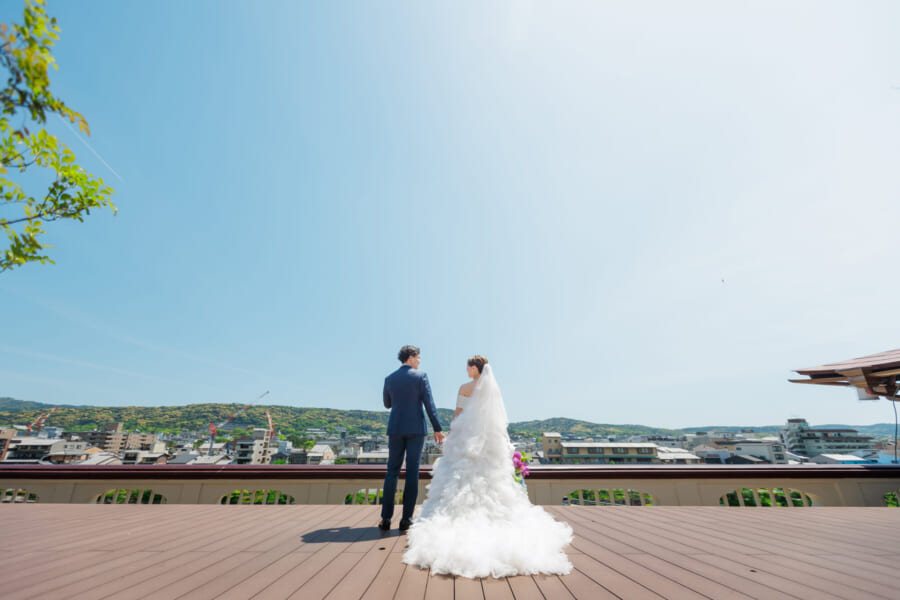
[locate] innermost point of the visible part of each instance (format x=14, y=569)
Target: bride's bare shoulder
x=466, y=388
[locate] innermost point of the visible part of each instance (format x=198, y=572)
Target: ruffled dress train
x=477, y=521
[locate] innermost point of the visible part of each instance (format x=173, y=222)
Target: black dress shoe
x=384, y=525
x=404, y=524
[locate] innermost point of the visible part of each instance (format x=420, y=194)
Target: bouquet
x=520, y=462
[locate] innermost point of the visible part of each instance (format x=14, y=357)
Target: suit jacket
x=406, y=392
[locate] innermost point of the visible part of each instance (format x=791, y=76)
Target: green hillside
x=197, y=417
x=585, y=428
x=760, y=429
x=287, y=419
x=292, y=420
x=15, y=405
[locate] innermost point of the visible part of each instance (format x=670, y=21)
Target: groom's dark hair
x=406, y=352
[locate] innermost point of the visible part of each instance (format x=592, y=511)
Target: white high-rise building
x=802, y=439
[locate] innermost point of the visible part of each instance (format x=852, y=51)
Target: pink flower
x=520, y=465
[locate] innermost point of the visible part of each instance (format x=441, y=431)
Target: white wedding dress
x=477, y=521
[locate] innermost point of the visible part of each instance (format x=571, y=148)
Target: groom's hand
x=439, y=437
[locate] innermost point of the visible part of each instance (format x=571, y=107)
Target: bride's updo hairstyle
x=478, y=362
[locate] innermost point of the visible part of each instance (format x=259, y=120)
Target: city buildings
x=193, y=458
x=557, y=451
x=113, y=439
x=804, y=440
x=350, y=454
x=771, y=451
x=719, y=447
x=255, y=450
x=143, y=457
x=665, y=441
x=838, y=459
x=30, y=449
x=710, y=438
x=677, y=456
x=102, y=458
x=320, y=454
x=373, y=458
x=551, y=443
x=298, y=457
x=712, y=454
x=70, y=451
x=217, y=448
x=283, y=452
x=33, y=449
x=6, y=436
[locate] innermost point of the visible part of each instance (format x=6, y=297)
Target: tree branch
x=44, y=216
x=4, y=222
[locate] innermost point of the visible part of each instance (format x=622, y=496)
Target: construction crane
x=271, y=427
x=214, y=429
x=39, y=422
x=269, y=436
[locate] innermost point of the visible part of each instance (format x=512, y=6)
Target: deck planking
x=193, y=552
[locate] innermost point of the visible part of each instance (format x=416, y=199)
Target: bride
x=477, y=521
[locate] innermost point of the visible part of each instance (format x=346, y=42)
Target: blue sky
x=305, y=187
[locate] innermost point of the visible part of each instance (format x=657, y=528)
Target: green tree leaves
x=25, y=52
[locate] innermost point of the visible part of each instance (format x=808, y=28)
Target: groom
x=406, y=392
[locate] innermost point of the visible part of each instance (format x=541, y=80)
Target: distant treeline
x=197, y=417
x=292, y=420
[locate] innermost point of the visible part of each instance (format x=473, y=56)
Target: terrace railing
x=650, y=485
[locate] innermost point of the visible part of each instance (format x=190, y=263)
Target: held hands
x=439, y=437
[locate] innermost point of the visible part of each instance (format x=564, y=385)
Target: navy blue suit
x=406, y=392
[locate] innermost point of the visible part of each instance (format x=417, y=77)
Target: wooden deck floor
x=192, y=552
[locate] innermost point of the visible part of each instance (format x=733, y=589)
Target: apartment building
x=34, y=449
x=142, y=457
x=551, y=443
x=802, y=439
x=6, y=436
x=113, y=439
x=71, y=451
x=254, y=450
x=557, y=451
x=768, y=450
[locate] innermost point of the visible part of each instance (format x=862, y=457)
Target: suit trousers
x=398, y=445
